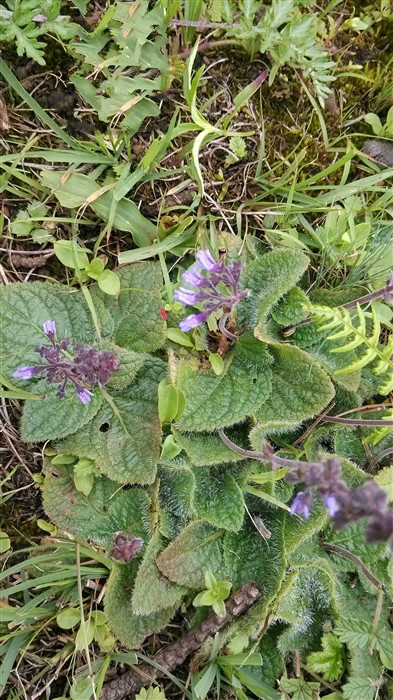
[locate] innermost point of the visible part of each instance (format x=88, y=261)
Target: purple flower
x=49, y=328
x=26, y=372
x=192, y=321
x=84, y=395
x=207, y=262
x=302, y=503
x=216, y=288
x=88, y=366
x=331, y=504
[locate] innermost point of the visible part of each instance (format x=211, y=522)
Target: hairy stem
x=356, y=560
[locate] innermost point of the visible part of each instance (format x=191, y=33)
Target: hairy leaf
x=189, y=556
x=133, y=319
x=218, y=401
x=329, y=662
x=152, y=590
x=96, y=517
x=217, y=498
x=130, y=629
x=205, y=449
x=268, y=278
x=301, y=389
x=124, y=438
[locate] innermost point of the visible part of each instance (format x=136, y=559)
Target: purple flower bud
x=186, y=296
x=192, y=277
x=207, y=261
x=84, y=395
x=331, y=504
x=302, y=503
x=192, y=321
x=26, y=372
x=49, y=328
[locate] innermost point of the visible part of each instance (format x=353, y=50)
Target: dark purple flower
x=216, y=288
x=381, y=528
x=125, y=547
x=301, y=504
x=88, y=366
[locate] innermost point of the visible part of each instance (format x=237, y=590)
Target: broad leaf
x=124, y=438
x=299, y=384
x=98, y=516
x=359, y=688
x=130, y=629
x=268, y=278
x=189, y=556
x=133, y=318
x=218, y=401
x=248, y=557
x=217, y=498
x=152, y=590
x=204, y=449
x=24, y=309
x=56, y=418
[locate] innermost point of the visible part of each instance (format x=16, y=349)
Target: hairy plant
x=140, y=471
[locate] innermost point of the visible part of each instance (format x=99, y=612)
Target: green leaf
x=56, y=418
x=124, y=437
x=152, y=693
x=216, y=362
x=252, y=353
x=268, y=278
x=130, y=629
x=299, y=689
x=70, y=255
x=298, y=382
x=152, y=591
x=248, y=557
x=74, y=190
x=133, y=319
x=109, y=282
x=24, y=309
x=170, y=448
x=95, y=268
x=355, y=633
x=204, y=449
x=68, y=618
x=179, y=337
x=5, y=542
x=359, y=689
x=218, y=401
x=217, y=498
x=330, y=661
x=290, y=309
x=196, y=550
x=168, y=401
x=97, y=517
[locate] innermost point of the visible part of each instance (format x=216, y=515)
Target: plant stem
x=356, y=560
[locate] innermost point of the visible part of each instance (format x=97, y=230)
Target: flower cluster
x=344, y=505
x=88, y=366
x=217, y=287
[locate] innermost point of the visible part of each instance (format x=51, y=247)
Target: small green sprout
x=215, y=594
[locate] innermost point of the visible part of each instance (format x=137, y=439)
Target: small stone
x=380, y=151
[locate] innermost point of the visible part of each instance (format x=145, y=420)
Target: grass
x=304, y=182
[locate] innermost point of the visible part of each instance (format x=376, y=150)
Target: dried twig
x=175, y=654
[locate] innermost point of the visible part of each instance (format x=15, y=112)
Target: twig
x=356, y=560
x=352, y=421
x=176, y=653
